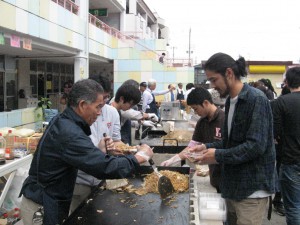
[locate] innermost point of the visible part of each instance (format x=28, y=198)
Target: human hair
x=219, y=63
x=198, y=96
x=258, y=83
x=86, y=89
x=262, y=88
x=293, y=77
x=151, y=82
x=179, y=84
x=189, y=86
x=163, y=53
x=131, y=82
x=143, y=84
x=103, y=81
x=268, y=84
x=285, y=90
x=130, y=93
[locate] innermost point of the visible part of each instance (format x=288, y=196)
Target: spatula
x=165, y=187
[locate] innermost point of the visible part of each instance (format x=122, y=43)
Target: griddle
x=160, y=146
x=129, y=208
x=154, y=138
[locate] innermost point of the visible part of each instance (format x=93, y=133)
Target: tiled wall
x=143, y=70
x=43, y=19
x=133, y=59
x=19, y=118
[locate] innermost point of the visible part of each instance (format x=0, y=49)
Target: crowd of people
x=238, y=142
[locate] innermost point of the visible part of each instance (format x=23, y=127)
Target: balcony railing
x=103, y=26
x=132, y=38
x=69, y=5
x=179, y=62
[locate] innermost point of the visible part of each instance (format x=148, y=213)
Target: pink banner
x=15, y=41
x=27, y=44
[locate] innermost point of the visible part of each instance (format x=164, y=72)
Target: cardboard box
x=28, y=143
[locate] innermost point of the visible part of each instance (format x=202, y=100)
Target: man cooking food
x=66, y=147
x=208, y=129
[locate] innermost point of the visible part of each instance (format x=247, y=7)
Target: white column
x=81, y=64
x=122, y=21
x=132, y=7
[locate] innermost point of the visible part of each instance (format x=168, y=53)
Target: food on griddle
x=179, y=181
x=179, y=135
x=116, y=183
x=125, y=148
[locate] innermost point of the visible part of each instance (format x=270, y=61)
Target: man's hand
x=148, y=123
x=197, y=148
x=208, y=157
x=171, y=161
x=152, y=117
x=144, y=153
x=106, y=144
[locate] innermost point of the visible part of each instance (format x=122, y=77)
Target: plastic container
x=2, y=149
x=212, y=207
x=10, y=145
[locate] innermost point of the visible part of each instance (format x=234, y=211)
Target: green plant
x=43, y=103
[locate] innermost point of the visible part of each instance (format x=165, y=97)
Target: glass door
x=1, y=91
x=11, y=91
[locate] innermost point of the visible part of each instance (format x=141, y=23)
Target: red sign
x=15, y=41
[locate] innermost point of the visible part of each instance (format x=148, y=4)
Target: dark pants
x=290, y=190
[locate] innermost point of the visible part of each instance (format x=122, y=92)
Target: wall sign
x=2, y=40
x=27, y=44
x=15, y=41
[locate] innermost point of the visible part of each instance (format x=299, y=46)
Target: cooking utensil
x=165, y=186
x=104, y=135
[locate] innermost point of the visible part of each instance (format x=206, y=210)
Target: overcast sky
x=255, y=29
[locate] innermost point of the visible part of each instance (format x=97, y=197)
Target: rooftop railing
x=132, y=41
x=69, y=5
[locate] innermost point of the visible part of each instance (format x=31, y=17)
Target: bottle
x=10, y=142
x=2, y=149
x=9, y=139
x=9, y=155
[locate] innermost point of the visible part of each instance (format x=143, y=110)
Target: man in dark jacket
x=287, y=129
x=246, y=151
x=66, y=147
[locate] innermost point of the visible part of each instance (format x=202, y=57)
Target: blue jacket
x=64, y=148
x=248, y=154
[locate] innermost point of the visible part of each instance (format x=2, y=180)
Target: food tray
x=106, y=207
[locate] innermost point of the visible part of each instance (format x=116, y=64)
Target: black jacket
x=64, y=148
x=286, y=113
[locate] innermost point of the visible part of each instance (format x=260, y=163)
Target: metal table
x=109, y=208
x=10, y=167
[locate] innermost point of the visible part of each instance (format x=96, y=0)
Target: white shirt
x=187, y=93
x=147, y=99
x=108, y=122
x=233, y=102
x=131, y=114
x=167, y=97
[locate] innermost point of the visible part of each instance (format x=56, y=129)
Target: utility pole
x=173, y=53
x=189, y=63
